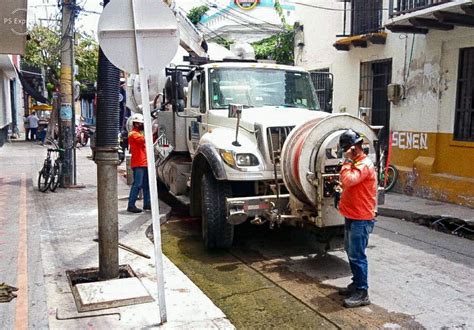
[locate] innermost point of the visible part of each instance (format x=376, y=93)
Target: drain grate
x=91, y=293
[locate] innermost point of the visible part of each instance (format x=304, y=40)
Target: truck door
x=196, y=111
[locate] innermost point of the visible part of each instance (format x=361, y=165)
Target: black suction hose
x=107, y=114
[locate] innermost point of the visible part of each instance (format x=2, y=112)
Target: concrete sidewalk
x=411, y=207
x=68, y=227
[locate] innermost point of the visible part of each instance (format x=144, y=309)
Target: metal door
x=374, y=79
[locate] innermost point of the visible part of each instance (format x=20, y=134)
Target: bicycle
x=50, y=173
x=388, y=174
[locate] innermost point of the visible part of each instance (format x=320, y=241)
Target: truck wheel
x=217, y=233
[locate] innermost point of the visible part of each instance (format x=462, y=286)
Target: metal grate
x=464, y=116
x=366, y=16
x=276, y=137
x=401, y=7
x=323, y=84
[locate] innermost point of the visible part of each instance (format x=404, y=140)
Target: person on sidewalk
x=358, y=205
x=136, y=141
x=27, y=127
x=33, y=125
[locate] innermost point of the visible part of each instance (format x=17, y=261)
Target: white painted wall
x=431, y=84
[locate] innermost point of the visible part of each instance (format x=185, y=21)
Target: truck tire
x=217, y=233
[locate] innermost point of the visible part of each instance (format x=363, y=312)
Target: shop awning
x=30, y=90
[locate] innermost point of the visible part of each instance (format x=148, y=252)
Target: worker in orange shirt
x=136, y=141
x=358, y=205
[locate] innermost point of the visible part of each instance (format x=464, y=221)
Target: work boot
x=358, y=298
x=147, y=207
x=347, y=291
x=134, y=209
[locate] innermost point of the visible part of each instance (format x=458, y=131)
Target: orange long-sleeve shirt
x=359, y=194
x=136, y=141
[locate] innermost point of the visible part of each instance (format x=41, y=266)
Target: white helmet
x=137, y=118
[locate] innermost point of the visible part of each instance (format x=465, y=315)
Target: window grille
x=464, y=114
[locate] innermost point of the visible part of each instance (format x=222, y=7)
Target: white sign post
x=142, y=37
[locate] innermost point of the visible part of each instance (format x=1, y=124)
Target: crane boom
x=190, y=38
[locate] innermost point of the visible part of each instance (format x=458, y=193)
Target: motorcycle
x=82, y=135
x=123, y=145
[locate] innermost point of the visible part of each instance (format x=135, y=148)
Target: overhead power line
x=240, y=14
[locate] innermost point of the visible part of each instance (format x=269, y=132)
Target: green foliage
x=87, y=58
x=196, y=13
x=223, y=42
x=279, y=47
x=279, y=11
x=43, y=49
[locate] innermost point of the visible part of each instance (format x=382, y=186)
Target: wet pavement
x=270, y=278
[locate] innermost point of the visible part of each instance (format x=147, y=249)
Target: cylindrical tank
x=303, y=157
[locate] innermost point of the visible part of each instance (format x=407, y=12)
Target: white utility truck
x=244, y=141
x=239, y=141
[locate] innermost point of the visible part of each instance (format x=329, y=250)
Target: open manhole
x=91, y=293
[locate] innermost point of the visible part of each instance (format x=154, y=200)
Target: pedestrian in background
x=358, y=205
x=136, y=141
x=27, y=127
x=33, y=125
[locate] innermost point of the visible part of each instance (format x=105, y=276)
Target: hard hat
x=137, y=118
x=348, y=139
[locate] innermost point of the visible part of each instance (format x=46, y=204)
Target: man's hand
x=350, y=153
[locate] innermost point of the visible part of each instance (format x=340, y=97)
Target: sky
x=38, y=10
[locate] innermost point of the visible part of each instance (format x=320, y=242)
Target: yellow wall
x=441, y=168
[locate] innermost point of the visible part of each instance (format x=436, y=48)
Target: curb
x=452, y=225
x=412, y=216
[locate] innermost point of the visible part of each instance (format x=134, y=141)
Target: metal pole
x=65, y=113
x=73, y=61
x=107, y=198
x=150, y=155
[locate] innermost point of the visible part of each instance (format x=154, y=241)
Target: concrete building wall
x=432, y=163
x=10, y=97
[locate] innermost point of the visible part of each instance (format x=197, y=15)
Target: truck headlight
x=227, y=157
x=246, y=160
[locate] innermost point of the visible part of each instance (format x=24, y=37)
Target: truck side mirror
x=174, y=89
x=235, y=111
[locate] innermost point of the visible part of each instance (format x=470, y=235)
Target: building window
x=366, y=16
x=323, y=82
x=464, y=117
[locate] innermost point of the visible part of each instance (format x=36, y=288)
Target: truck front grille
x=276, y=137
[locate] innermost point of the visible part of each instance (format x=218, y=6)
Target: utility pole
x=66, y=115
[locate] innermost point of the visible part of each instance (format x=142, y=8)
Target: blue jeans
x=34, y=133
x=356, y=238
x=140, y=181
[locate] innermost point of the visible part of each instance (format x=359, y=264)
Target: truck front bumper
x=239, y=209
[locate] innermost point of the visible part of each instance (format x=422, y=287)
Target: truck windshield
x=253, y=87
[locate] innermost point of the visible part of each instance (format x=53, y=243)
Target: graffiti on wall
x=410, y=140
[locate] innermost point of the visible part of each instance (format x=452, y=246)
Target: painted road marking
x=21, y=314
